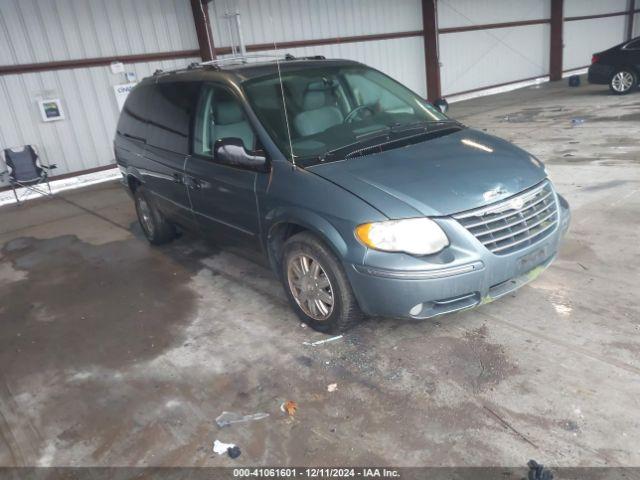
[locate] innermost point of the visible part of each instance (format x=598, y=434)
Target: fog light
x=416, y=310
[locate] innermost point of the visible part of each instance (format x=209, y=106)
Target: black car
x=618, y=67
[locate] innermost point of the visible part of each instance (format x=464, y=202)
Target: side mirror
x=441, y=104
x=231, y=151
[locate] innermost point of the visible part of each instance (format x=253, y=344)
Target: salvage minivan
x=364, y=197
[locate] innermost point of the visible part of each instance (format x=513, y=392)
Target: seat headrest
x=314, y=99
x=228, y=112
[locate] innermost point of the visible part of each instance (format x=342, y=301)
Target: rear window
x=634, y=45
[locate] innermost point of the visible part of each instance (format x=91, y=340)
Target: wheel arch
x=285, y=224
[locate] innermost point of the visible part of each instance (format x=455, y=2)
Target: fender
x=309, y=220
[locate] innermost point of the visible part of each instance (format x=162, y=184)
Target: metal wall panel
x=33, y=31
x=482, y=58
x=407, y=67
x=266, y=21
x=460, y=13
x=578, y=8
x=582, y=38
x=51, y=30
x=84, y=139
x=636, y=25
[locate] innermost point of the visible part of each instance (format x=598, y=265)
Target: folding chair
x=25, y=170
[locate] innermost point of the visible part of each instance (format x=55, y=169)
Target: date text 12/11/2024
x=315, y=472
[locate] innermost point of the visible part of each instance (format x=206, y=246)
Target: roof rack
x=238, y=59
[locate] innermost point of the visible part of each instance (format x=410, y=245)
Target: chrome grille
x=514, y=223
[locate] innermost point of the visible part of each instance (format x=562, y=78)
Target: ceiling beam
x=630, y=14
x=203, y=29
x=556, y=43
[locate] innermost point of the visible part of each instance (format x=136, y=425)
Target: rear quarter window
x=171, y=106
x=134, y=116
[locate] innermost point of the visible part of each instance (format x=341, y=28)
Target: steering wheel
x=353, y=114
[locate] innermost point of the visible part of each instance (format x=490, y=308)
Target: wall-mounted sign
x=51, y=110
x=122, y=91
x=117, y=67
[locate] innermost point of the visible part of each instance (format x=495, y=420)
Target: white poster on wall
x=122, y=91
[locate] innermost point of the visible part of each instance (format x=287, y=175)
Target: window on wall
x=220, y=115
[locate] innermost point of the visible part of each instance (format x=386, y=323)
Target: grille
x=514, y=223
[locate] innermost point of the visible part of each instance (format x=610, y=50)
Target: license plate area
x=533, y=259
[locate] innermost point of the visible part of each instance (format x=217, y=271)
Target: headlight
x=416, y=236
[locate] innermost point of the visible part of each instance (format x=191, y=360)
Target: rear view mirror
x=442, y=105
x=230, y=151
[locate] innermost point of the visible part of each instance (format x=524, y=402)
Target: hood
x=450, y=174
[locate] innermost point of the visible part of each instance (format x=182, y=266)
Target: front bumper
x=466, y=276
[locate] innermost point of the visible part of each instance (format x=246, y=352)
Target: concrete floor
x=116, y=353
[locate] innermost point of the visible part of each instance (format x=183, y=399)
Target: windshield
x=329, y=108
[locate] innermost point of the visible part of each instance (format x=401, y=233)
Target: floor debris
x=229, y=418
x=538, y=472
x=234, y=452
x=332, y=387
x=221, y=448
x=320, y=342
x=289, y=407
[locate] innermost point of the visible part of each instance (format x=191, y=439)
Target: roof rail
x=238, y=59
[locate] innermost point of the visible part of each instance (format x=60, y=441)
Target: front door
x=223, y=198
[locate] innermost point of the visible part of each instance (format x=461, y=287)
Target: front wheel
x=316, y=285
x=623, y=81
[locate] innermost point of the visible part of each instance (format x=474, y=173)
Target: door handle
x=178, y=178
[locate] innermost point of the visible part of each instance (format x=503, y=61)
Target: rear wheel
x=154, y=225
x=316, y=285
x=623, y=81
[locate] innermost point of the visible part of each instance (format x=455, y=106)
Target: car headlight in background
x=416, y=236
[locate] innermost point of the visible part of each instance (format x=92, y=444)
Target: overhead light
x=477, y=145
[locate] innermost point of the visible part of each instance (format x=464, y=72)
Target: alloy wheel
x=622, y=81
x=310, y=286
x=146, y=220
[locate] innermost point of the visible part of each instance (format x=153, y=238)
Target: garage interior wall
x=479, y=46
x=269, y=21
x=35, y=31
x=472, y=59
x=582, y=38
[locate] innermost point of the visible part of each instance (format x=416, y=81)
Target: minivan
x=364, y=198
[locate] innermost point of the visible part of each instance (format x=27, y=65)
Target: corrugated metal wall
x=266, y=21
x=582, y=38
x=480, y=58
x=33, y=31
x=43, y=31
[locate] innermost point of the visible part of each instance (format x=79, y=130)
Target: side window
x=135, y=114
x=220, y=115
x=171, y=106
x=368, y=92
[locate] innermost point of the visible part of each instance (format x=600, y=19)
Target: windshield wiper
x=390, y=133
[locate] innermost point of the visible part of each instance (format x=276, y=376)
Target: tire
x=344, y=312
x=154, y=225
x=623, y=81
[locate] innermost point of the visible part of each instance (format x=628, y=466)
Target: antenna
x=284, y=102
